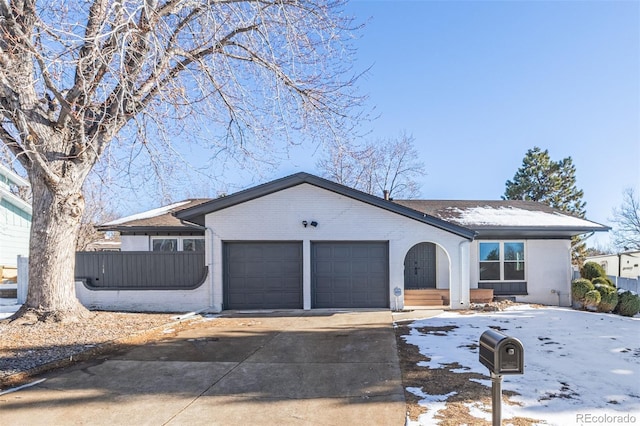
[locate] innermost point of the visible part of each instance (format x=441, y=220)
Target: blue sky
x=479, y=83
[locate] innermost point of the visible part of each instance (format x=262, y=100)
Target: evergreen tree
x=552, y=183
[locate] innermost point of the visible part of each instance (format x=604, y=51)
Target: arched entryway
x=420, y=267
x=426, y=276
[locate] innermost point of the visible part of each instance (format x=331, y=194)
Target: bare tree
x=626, y=231
x=75, y=74
x=391, y=165
x=98, y=210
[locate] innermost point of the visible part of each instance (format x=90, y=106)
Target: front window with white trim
x=177, y=244
x=502, y=261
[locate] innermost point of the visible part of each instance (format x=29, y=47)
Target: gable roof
x=157, y=220
x=506, y=217
x=196, y=214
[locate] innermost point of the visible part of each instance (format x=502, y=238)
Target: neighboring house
x=303, y=242
x=15, y=219
x=159, y=230
x=108, y=243
x=625, y=264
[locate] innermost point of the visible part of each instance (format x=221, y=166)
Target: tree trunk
x=54, y=229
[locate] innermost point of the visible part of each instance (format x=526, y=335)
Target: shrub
x=628, y=304
x=608, y=297
x=592, y=299
x=591, y=270
x=603, y=280
x=579, y=289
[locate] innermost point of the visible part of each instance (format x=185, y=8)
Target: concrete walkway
x=291, y=368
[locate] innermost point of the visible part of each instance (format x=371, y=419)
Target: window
x=177, y=244
x=193, y=244
x=502, y=261
x=164, y=244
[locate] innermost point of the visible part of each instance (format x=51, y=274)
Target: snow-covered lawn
x=581, y=368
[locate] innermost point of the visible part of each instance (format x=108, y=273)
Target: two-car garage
x=269, y=274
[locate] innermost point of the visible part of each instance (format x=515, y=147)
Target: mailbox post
x=501, y=354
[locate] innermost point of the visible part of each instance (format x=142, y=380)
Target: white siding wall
x=279, y=216
x=609, y=263
x=134, y=243
x=630, y=264
x=548, y=267
x=14, y=233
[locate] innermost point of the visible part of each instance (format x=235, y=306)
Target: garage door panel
x=361, y=252
x=323, y=267
x=341, y=267
x=361, y=284
x=350, y=274
x=263, y=275
x=323, y=252
x=341, y=252
x=377, y=267
x=361, y=267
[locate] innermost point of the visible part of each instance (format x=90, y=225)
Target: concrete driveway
x=291, y=368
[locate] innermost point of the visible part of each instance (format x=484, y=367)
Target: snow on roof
x=512, y=216
x=148, y=214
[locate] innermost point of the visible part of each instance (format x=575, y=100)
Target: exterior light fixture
x=305, y=223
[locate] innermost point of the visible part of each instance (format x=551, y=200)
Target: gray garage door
x=263, y=275
x=350, y=274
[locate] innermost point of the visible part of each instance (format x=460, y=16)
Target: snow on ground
x=579, y=366
x=8, y=307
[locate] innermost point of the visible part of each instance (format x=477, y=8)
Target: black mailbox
x=501, y=354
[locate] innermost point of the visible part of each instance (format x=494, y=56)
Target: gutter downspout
x=461, y=272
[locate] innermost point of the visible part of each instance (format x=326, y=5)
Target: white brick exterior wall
x=279, y=216
x=179, y=301
x=547, y=268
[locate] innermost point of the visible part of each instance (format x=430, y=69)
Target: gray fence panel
x=141, y=270
x=630, y=284
x=23, y=279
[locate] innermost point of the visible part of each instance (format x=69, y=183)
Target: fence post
x=23, y=279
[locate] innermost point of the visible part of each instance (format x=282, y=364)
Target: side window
x=489, y=261
x=193, y=244
x=502, y=261
x=164, y=244
x=514, y=261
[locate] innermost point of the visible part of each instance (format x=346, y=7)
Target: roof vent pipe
x=385, y=193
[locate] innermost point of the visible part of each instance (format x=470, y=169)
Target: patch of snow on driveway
x=577, y=364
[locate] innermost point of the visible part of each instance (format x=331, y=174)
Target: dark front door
x=420, y=267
